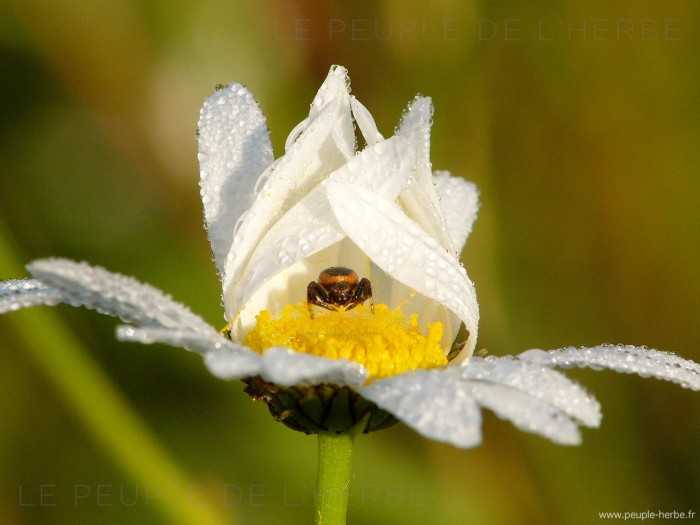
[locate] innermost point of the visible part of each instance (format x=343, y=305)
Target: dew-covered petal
x=433, y=403
x=16, y=294
x=536, y=381
x=526, y=412
x=365, y=121
x=182, y=338
x=419, y=199
x=313, y=157
x=336, y=86
x=234, y=150
x=286, y=367
x=335, y=89
x=310, y=226
x=406, y=252
x=113, y=294
x=622, y=358
x=444, y=404
x=415, y=126
x=229, y=362
x=459, y=200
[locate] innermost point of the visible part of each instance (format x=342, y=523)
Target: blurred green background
x=579, y=121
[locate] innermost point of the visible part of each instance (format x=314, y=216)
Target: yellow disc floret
x=384, y=342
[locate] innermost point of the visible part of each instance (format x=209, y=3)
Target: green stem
x=333, y=483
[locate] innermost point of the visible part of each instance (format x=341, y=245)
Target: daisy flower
x=342, y=288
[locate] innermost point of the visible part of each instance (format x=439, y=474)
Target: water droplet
x=196, y=135
x=219, y=87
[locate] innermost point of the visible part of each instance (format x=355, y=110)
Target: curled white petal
x=310, y=225
x=286, y=367
x=335, y=86
x=365, y=121
x=113, y=294
x=415, y=125
x=234, y=150
x=419, y=200
x=622, y=358
x=16, y=294
x=334, y=90
x=459, y=200
x=406, y=252
x=295, y=133
x=313, y=156
x=433, y=403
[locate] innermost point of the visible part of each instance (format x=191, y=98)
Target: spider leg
x=363, y=291
x=317, y=295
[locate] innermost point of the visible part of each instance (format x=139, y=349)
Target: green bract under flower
x=384, y=342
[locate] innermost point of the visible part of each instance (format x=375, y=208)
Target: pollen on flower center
x=385, y=343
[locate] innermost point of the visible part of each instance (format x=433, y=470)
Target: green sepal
x=319, y=408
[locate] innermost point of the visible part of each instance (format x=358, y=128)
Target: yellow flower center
x=384, y=342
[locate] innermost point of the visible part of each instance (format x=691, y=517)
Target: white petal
x=336, y=88
x=459, y=200
x=621, y=358
x=415, y=125
x=310, y=226
x=431, y=402
x=406, y=252
x=182, y=338
x=23, y=293
x=419, y=200
x=231, y=363
x=286, y=367
x=114, y=294
x=365, y=121
x=444, y=404
x=527, y=413
x=234, y=149
x=295, y=133
x=313, y=157
x=536, y=381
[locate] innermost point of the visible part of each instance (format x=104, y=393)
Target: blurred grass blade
x=101, y=408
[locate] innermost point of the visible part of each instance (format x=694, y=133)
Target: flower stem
x=333, y=482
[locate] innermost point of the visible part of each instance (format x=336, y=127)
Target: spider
x=338, y=289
